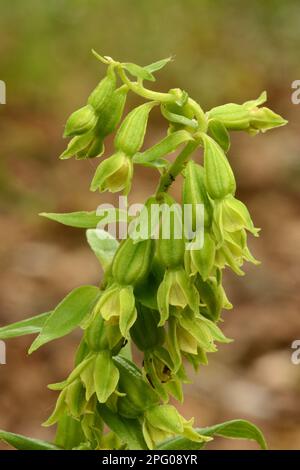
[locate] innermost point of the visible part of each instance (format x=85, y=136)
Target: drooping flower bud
x=194, y=192
x=233, y=251
x=77, y=144
x=103, y=92
x=131, y=133
x=219, y=177
x=231, y=220
x=119, y=302
x=106, y=376
x=233, y=116
x=96, y=376
x=204, y=330
x=95, y=148
x=201, y=261
x=138, y=395
x=102, y=335
x=219, y=133
x=113, y=174
x=235, y=216
x=145, y=332
x=211, y=297
x=263, y=119
x=132, y=261
x=178, y=290
x=164, y=421
x=112, y=112
x=81, y=121
x=247, y=116
x=170, y=244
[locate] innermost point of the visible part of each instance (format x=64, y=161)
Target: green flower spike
x=114, y=174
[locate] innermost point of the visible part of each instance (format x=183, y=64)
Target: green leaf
x=103, y=245
x=128, y=430
x=139, y=72
x=25, y=327
x=26, y=443
x=67, y=315
x=152, y=156
x=84, y=219
x=158, y=65
x=219, y=133
x=235, y=429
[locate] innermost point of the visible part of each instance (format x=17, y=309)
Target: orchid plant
x=158, y=294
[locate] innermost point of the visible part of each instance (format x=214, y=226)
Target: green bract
x=160, y=290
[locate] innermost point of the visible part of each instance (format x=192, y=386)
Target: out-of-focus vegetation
x=223, y=48
x=224, y=51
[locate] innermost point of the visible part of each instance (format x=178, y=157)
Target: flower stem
x=177, y=166
x=199, y=114
x=138, y=88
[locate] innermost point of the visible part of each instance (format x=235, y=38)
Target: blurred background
x=224, y=52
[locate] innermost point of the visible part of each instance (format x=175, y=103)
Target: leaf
x=128, y=430
x=155, y=66
x=25, y=327
x=84, y=219
x=26, y=443
x=103, y=245
x=67, y=315
x=219, y=133
x=139, y=72
x=152, y=156
x=235, y=429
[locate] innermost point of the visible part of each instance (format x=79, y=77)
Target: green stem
x=199, y=114
x=138, y=88
x=177, y=166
